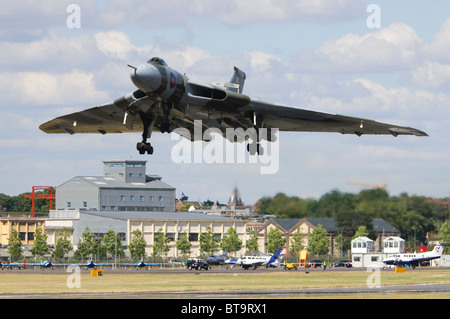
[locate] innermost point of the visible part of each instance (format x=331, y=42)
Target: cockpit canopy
x=158, y=61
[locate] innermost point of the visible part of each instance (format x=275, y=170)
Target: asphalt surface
x=241, y=294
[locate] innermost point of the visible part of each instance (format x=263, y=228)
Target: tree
x=87, y=245
x=183, y=245
x=296, y=244
x=208, y=243
x=231, y=241
x=361, y=232
x=63, y=244
x=160, y=245
x=252, y=243
x=319, y=242
x=14, y=243
x=137, y=245
x=185, y=207
x=444, y=235
x=275, y=240
x=112, y=244
x=40, y=247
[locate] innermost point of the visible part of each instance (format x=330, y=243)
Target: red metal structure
x=33, y=196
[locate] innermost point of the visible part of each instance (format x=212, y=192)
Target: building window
x=69, y=204
x=121, y=175
x=160, y=199
x=151, y=198
x=193, y=236
x=84, y=204
x=141, y=199
x=132, y=198
x=122, y=198
x=130, y=174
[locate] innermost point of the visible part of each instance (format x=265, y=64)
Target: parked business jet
x=414, y=259
x=254, y=262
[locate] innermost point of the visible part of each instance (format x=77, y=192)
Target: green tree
x=112, y=244
x=161, y=245
x=283, y=206
x=319, y=242
x=231, y=241
x=14, y=246
x=208, y=243
x=87, y=245
x=296, y=244
x=137, y=245
x=183, y=245
x=444, y=235
x=275, y=240
x=361, y=232
x=63, y=244
x=40, y=247
x=252, y=243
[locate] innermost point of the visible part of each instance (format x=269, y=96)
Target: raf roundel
x=173, y=81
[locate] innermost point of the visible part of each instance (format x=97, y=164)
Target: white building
x=362, y=245
x=394, y=245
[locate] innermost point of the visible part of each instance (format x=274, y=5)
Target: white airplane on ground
x=414, y=259
x=254, y=262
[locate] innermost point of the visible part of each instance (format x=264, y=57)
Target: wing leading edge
x=300, y=120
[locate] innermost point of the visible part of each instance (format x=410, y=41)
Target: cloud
x=256, y=11
x=40, y=88
x=390, y=49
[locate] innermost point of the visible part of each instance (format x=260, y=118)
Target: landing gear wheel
x=144, y=147
x=165, y=127
x=254, y=148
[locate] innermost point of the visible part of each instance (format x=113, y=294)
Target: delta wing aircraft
x=413, y=259
x=166, y=99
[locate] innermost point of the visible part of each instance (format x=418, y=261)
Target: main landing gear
x=144, y=147
x=256, y=147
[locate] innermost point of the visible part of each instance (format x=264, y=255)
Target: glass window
x=69, y=204
x=122, y=198
x=151, y=198
x=132, y=198
x=85, y=204
x=160, y=199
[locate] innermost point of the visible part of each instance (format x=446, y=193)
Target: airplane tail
x=438, y=249
x=237, y=80
x=275, y=256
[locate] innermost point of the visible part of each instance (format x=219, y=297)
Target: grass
x=45, y=282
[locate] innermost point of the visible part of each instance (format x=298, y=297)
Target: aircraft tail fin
x=438, y=249
x=236, y=83
x=275, y=256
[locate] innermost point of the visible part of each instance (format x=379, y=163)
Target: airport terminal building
x=124, y=186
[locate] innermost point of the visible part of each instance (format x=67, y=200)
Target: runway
x=380, y=291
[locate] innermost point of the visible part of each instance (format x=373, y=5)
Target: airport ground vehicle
x=343, y=263
x=199, y=265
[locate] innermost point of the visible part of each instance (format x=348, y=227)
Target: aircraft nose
x=146, y=77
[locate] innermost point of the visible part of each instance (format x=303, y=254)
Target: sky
x=383, y=60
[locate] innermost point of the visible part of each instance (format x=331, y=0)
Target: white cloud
x=390, y=49
x=255, y=11
x=432, y=75
x=40, y=88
